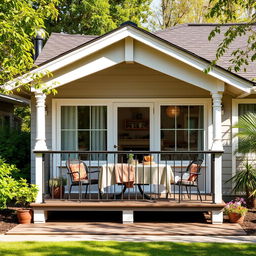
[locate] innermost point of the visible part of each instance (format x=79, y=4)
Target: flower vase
x=236, y=217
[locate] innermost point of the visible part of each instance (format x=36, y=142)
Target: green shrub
x=26, y=193
x=11, y=188
x=8, y=184
x=15, y=149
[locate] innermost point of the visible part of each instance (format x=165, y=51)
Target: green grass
x=124, y=249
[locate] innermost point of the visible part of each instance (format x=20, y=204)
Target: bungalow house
x=132, y=91
x=7, y=104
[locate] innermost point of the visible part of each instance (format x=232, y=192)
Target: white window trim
x=235, y=103
x=111, y=111
x=110, y=103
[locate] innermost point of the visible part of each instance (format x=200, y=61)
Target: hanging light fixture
x=172, y=111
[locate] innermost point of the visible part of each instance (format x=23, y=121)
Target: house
x=132, y=90
x=7, y=104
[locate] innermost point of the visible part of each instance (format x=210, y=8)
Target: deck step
x=106, y=228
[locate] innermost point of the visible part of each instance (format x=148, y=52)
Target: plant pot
x=24, y=216
x=57, y=192
x=236, y=217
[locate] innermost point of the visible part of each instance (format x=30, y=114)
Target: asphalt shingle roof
x=190, y=37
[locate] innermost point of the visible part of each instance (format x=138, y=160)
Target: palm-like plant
x=247, y=133
x=245, y=180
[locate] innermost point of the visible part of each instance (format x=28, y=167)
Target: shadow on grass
x=124, y=248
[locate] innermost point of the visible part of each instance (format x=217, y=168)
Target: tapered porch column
x=217, y=216
x=39, y=215
x=40, y=121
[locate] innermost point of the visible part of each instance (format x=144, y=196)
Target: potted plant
x=57, y=187
x=25, y=194
x=236, y=210
x=245, y=181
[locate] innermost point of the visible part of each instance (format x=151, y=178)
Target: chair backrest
x=77, y=170
x=194, y=169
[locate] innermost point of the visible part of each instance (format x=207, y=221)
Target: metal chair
x=80, y=175
x=189, y=178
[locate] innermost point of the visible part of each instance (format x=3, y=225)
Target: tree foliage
x=19, y=23
x=97, y=17
x=173, y=12
x=229, y=11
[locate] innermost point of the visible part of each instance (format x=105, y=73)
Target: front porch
x=155, y=185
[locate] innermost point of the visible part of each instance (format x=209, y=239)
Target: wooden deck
x=145, y=205
x=145, y=229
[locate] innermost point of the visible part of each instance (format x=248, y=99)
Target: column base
x=217, y=217
x=127, y=216
x=40, y=216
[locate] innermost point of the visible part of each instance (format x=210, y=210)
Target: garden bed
x=249, y=224
x=8, y=220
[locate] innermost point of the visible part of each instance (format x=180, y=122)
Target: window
x=182, y=128
x=84, y=128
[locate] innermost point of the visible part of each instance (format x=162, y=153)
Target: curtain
x=69, y=128
x=98, y=135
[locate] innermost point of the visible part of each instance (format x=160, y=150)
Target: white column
x=40, y=121
x=217, y=135
x=39, y=176
x=39, y=215
x=127, y=216
x=217, y=216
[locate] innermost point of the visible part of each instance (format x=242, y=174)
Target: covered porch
x=130, y=97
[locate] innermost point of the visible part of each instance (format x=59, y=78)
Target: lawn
x=124, y=248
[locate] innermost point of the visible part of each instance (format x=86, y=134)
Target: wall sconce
x=172, y=111
x=46, y=110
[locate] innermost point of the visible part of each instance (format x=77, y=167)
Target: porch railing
x=118, y=175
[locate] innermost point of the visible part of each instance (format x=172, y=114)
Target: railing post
x=217, y=216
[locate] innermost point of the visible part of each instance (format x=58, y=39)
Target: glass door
x=133, y=127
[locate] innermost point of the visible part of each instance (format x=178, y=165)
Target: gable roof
x=192, y=38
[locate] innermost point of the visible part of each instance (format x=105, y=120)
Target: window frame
x=235, y=105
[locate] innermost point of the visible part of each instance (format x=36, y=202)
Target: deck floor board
x=106, y=228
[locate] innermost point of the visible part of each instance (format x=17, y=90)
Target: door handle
x=116, y=146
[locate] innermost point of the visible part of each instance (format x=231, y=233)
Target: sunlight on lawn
x=124, y=248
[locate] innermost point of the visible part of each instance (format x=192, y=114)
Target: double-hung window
x=182, y=128
x=84, y=128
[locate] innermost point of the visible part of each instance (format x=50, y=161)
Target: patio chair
x=80, y=175
x=189, y=178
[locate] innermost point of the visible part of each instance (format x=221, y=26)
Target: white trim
x=153, y=103
x=135, y=103
x=235, y=103
x=149, y=40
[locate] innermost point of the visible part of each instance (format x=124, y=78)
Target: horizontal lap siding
x=227, y=143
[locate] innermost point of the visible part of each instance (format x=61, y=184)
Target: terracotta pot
x=24, y=216
x=57, y=192
x=236, y=218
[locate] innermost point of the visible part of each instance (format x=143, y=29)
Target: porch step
x=91, y=228
x=65, y=205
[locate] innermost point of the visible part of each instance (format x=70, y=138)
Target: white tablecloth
x=155, y=174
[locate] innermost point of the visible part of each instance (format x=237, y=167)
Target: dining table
x=153, y=174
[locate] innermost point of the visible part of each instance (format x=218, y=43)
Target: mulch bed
x=8, y=220
x=249, y=224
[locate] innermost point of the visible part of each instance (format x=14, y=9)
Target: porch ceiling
x=130, y=80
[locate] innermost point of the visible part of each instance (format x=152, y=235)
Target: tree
x=174, y=12
x=235, y=11
x=97, y=17
x=19, y=22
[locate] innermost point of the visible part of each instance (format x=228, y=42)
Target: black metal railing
x=129, y=175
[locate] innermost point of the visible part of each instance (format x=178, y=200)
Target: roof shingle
x=190, y=37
